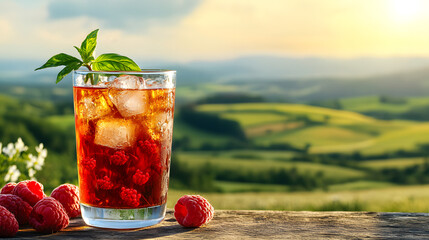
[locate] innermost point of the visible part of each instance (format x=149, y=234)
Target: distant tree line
x=202, y=178
x=225, y=98
x=211, y=123
x=184, y=144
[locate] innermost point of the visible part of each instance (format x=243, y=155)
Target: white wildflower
x=20, y=146
x=35, y=162
x=39, y=163
x=31, y=172
x=10, y=150
x=43, y=153
x=39, y=148
x=31, y=160
x=12, y=174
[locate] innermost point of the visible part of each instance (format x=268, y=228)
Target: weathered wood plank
x=265, y=225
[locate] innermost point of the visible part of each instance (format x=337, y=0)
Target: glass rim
x=143, y=71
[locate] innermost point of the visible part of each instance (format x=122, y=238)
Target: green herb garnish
x=104, y=62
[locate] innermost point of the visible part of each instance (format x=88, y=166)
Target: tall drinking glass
x=124, y=125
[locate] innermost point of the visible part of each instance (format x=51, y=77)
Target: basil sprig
x=104, y=62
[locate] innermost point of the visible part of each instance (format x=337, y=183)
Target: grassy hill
x=225, y=163
x=325, y=130
x=373, y=103
x=384, y=199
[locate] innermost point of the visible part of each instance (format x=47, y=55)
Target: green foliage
x=114, y=62
x=392, y=100
x=34, y=127
x=185, y=177
x=61, y=59
x=211, y=123
x=230, y=98
x=104, y=62
x=71, y=63
x=87, y=47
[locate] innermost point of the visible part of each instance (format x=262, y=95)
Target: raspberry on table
x=8, y=224
x=140, y=178
x=68, y=195
x=130, y=197
x=8, y=188
x=193, y=211
x=119, y=158
x=48, y=216
x=30, y=191
x=105, y=183
x=88, y=163
x=18, y=207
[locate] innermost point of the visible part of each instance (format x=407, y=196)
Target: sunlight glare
x=406, y=10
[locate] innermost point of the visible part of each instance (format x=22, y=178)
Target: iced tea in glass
x=124, y=124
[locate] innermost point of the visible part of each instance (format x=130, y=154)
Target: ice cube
x=94, y=106
x=128, y=82
x=160, y=81
x=159, y=125
x=115, y=133
x=130, y=102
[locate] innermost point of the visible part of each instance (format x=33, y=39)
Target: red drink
x=123, y=141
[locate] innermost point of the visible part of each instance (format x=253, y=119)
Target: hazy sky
x=187, y=30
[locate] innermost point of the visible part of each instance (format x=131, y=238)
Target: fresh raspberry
x=193, y=211
x=8, y=224
x=149, y=147
x=130, y=197
x=140, y=178
x=20, y=208
x=30, y=191
x=88, y=163
x=119, y=158
x=48, y=216
x=8, y=188
x=68, y=196
x=105, y=183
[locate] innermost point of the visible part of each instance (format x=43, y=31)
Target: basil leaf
x=78, y=49
x=70, y=67
x=88, y=46
x=114, y=62
x=61, y=59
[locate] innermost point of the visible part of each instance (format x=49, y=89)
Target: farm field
x=323, y=130
x=372, y=103
x=223, y=163
x=398, y=163
x=386, y=199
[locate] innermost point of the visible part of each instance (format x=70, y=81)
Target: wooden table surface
x=264, y=225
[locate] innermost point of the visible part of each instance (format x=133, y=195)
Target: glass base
x=122, y=218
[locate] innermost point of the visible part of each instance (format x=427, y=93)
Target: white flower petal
x=15, y=175
x=31, y=172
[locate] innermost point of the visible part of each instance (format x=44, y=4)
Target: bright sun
x=406, y=10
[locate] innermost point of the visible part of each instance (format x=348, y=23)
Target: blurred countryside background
x=280, y=104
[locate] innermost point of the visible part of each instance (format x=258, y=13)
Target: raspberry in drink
x=123, y=135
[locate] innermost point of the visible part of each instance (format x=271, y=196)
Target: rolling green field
x=398, y=163
x=330, y=172
x=386, y=199
x=325, y=130
x=372, y=103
